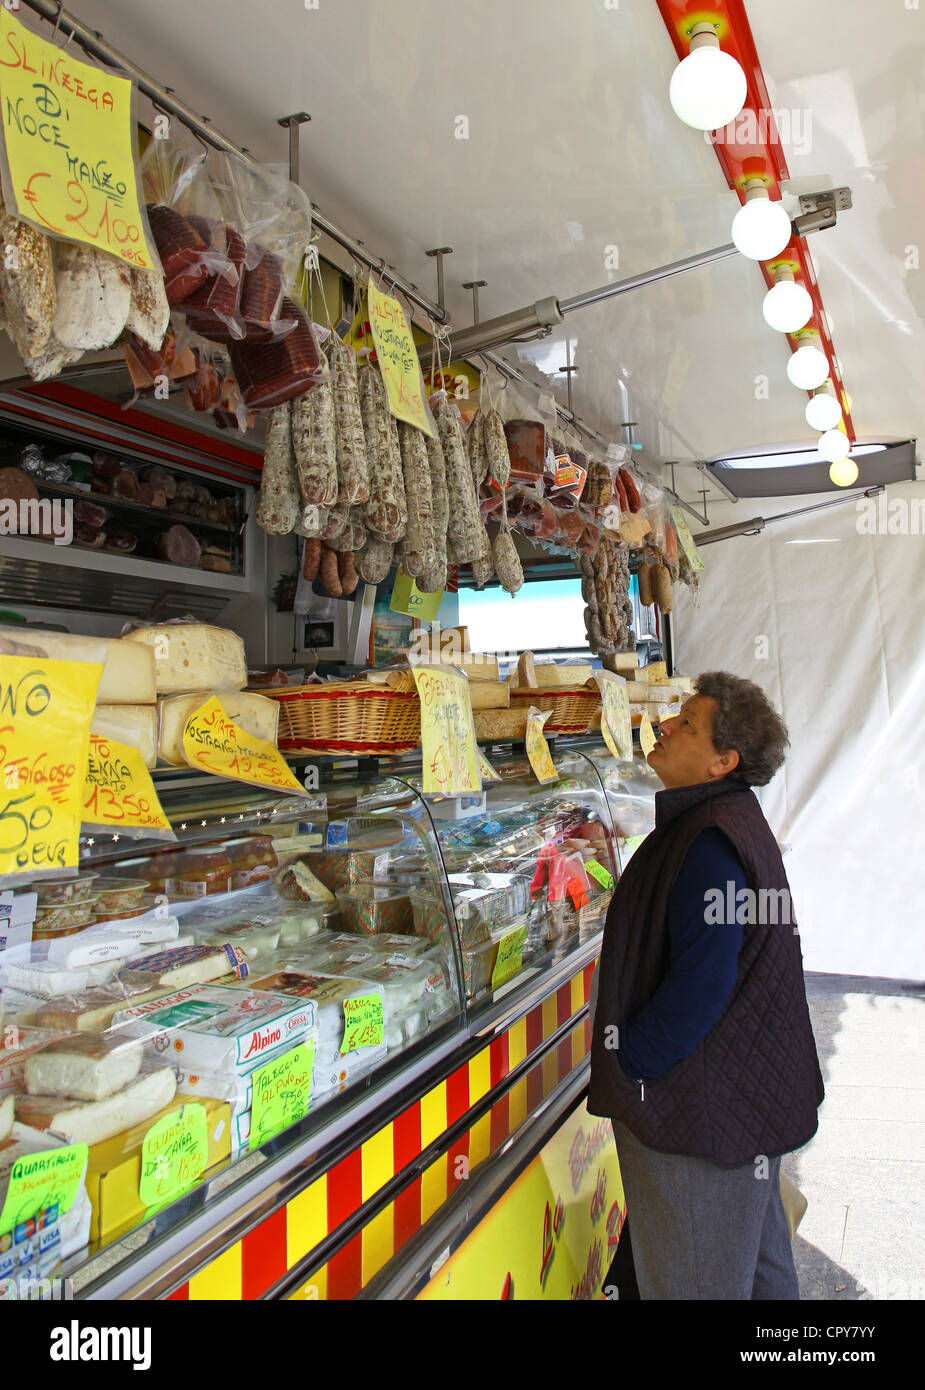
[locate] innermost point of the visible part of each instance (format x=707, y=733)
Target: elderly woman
x=703, y=1054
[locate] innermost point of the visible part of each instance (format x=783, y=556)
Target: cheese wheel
x=193, y=657
x=128, y=670
x=256, y=715
x=135, y=725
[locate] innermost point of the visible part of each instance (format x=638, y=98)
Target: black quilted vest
x=753, y=1085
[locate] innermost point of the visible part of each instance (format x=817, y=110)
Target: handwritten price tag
x=538, y=749
x=686, y=539
x=486, y=770
x=69, y=138
x=281, y=1092
x=449, y=749
x=118, y=789
x=398, y=359
x=597, y=871
x=510, y=959
x=647, y=738
x=214, y=743
x=47, y=1181
x=174, y=1155
x=46, y=708
x=616, y=725
x=364, y=1023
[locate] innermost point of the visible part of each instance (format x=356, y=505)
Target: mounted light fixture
x=808, y=366
x=844, y=473
x=787, y=306
x=834, y=446
x=823, y=412
x=760, y=229
x=708, y=87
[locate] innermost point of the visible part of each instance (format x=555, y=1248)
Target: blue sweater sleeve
x=703, y=962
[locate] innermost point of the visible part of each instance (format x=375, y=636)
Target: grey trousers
x=704, y=1232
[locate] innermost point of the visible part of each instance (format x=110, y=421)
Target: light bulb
x=834, y=446
x=787, y=306
x=708, y=87
x=808, y=367
x=760, y=229
x=823, y=411
x=844, y=473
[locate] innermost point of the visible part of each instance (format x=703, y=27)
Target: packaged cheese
x=83, y=1068
x=188, y=965
x=327, y=996
x=193, y=657
x=113, y=940
x=43, y=977
x=128, y=673
x=21, y=1044
x=134, y=725
x=256, y=715
x=90, y=1122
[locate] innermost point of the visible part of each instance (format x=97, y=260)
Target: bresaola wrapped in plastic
x=182, y=251
x=214, y=308
x=271, y=373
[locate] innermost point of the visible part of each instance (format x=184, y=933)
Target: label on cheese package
x=281, y=1091
x=118, y=790
x=213, y=742
x=597, y=871
x=448, y=746
x=46, y=708
x=47, y=1181
x=537, y=748
x=510, y=960
x=364, y=1023
x=647, y=739
x=173, y=1155
x=616, y=725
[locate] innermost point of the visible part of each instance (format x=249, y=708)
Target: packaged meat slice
x=160, y=480
x=124, y=542
x=149, y=312
x=89, y=512
x=94, y=294
x=146, y=365
x=178, y=546
x=182, y=252
x=213, y=309
x=262, y=294
x=203, y=391
x=526, y=442
x=271, y=373
x=91, y=536
x=231, y=413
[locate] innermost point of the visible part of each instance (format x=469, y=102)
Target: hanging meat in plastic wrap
x=94, y=294
x=270, y=373
x=204, y=390
x=214, y=308
x=183, y=252
x=148, y=368
x=231, y=413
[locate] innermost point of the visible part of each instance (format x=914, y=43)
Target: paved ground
x=863, y=1235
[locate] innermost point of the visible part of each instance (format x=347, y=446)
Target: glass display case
x=630, y=788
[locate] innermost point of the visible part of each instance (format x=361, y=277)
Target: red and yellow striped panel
x=262, y=1257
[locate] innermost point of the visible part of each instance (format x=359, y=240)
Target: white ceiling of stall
x=573, y=149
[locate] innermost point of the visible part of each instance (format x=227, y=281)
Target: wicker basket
x=349, y=717
x=572, y=710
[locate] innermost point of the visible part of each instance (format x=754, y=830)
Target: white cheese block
x=83, y=1068
x=188, y=965
x=255, y=714
x=114, y=940
x=135, y=725
x=252, y=940
x=128, y=673
x=640, y=690
x=193, y=656
x=7, y=1110
x=90, y=1122
x=44, y=977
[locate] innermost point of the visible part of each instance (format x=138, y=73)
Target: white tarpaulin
x=830, y=621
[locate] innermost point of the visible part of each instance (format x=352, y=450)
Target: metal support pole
x=439, y=252
x=475, y=286
x=292, y=123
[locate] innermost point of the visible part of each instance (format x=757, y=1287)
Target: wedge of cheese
x=256, y=715
x=90, y=1122
x=128, y=669
x=83, y=1068
x=193, y=657
x=549, y=674
x=7, y=1110
x=135, y=725
x=664, y=694
x=188, y=965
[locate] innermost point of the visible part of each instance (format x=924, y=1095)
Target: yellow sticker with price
x=449, y=751
x=537, y=748
x=487, y=771
x=281, y=1092
x=647, y=738
x=686, y=540
x=43, y=1182
x=46, y=708
x=398, y=359
x=213, y=742
x=118, y=789
x=510, y=958
x=174, y=1155
x=616, y=725
x=69, y=146
x=364, y=1023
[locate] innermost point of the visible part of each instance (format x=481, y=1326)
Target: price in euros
x=122, y=237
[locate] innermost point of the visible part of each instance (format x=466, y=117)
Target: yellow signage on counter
x=398, y=360
x=364, y=1023
x=46, y=708
x=174, y=1155
x=48, y=1181
x=118, y=789
x=510, y=959
x=537, y=748
x=213, y=742
x=281, y=1091
x=69, y=146
x=486, y=771
x=407, y=598
x=448, y=746
x=685, y=539
x=616, y=725
x=647, y=737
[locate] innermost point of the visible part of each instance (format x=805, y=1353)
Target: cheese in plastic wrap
x=90, y=1122
x=83, y=1067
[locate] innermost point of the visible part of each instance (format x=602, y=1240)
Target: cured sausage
x=496, y=452
x=464, y=528
x=375, y=560
x=352, y=461
x=440, y=498
x=478, y=459
x=507, y=562
x=311, y=560
x=314, y=443
x=418, y=551
x=386, y=511
x=346, y=570
x=633, y=500
x=27, y=285
x=330, y=575
x=278, y=508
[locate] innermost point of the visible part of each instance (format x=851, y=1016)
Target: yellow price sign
x=48, y=1181
x=647, y=738
x=597, y=871
x=538, y=749
x=46, y=708
x=174, y=1155
x=364, y=1023
x=510, y=958
x=398, y=360
x=118, y=789
x=616, y=725
x=486, y=770
x=69, y=146
x=449, y=749
x=213, y=742
x=281, y=1092
x=686, y=540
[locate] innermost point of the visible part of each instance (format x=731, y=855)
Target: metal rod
x=519, y=323
x=758, y=523
x=475, y=286
x=96, y=46
x=727, y=491
x=647, y=277
x=292, y=123
x=439, y=252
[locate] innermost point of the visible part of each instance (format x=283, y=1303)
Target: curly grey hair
x=745, y=719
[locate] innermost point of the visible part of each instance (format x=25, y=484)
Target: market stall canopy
x=537, y=139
